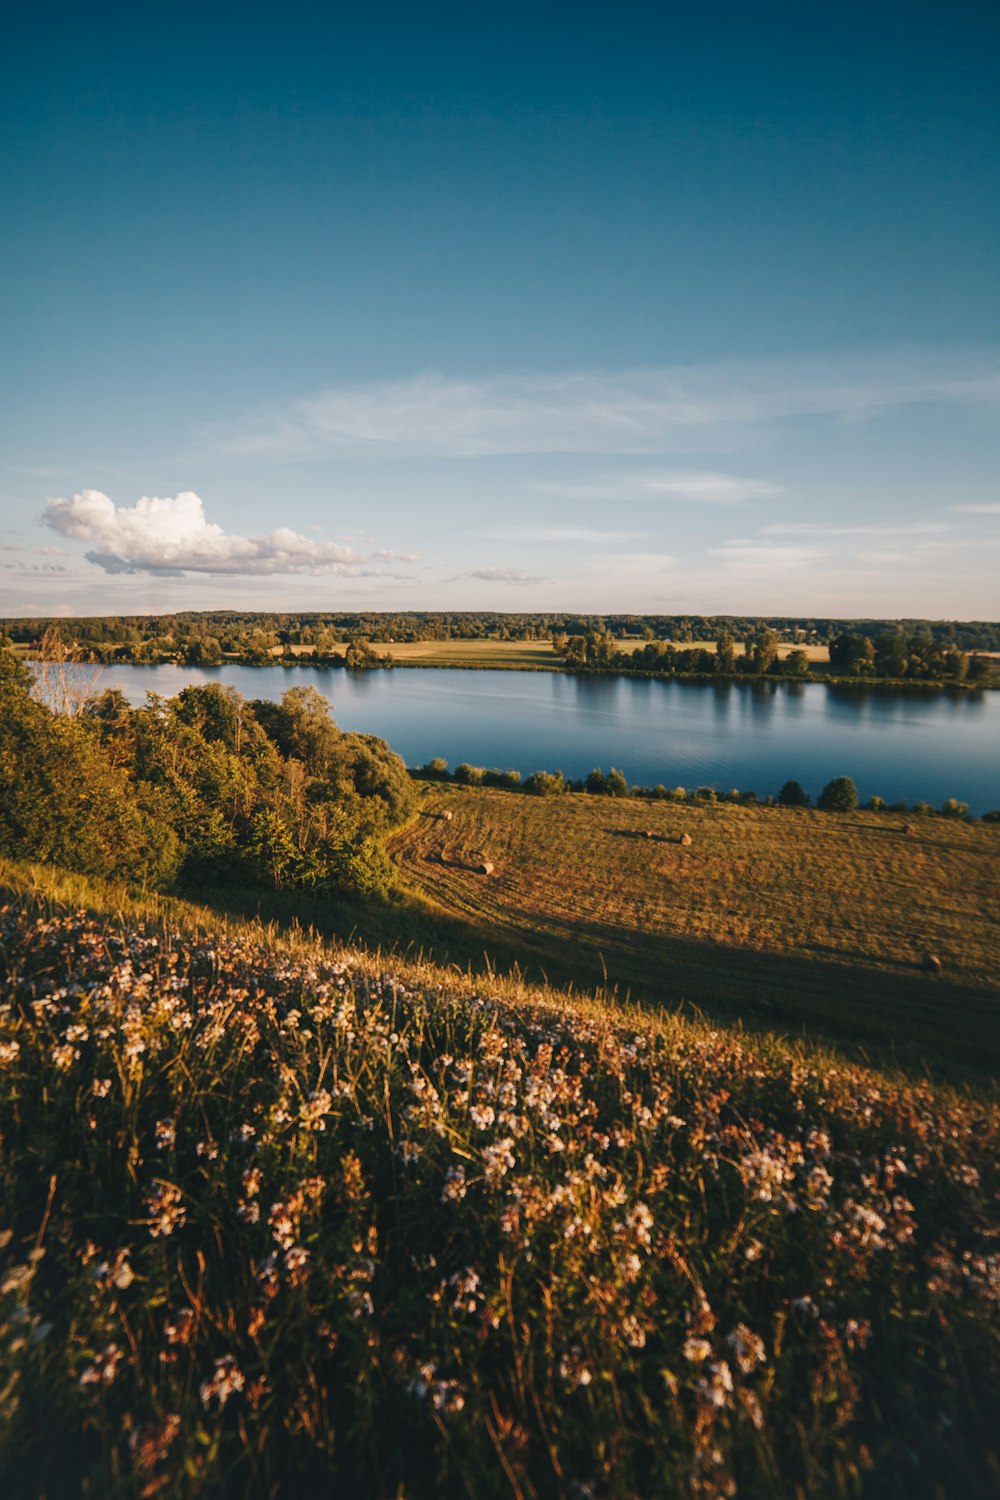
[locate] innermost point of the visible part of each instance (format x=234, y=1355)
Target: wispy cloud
x=497, y=575
x=991, y=508
x=562, y=534
x=33, y=551
x=699, y=488
x=632, y=565
x=172, y=536
x=878, y=528
x=628, y=411
x=756, y=557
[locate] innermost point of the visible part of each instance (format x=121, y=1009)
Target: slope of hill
x=284, y=1219
x=814, y=921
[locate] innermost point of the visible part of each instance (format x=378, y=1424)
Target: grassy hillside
x=276, y=1219
x=778, y=915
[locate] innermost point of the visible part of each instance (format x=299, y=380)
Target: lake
x=903, y=745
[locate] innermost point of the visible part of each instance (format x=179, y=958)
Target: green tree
x=852, y=653
x=839, y=795
x=546, y=784
x=891, y=653
x=725, y=653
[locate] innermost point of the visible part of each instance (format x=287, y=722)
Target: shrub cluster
x=839, y=795
x=206, y=787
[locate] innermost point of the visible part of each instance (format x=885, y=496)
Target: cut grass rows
x=823, y=920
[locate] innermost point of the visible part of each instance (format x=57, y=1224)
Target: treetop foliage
x=205, y=787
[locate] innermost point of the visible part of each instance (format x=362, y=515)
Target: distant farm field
x=496, y=653
x=815, y=921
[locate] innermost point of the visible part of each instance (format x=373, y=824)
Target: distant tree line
x=205, y=789
x=904, y=653
x=839, y=795
x=208, y=638
x=895, y=653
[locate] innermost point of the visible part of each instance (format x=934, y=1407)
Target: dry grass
x=818, y=920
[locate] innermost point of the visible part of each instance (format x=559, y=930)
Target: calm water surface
x=897, y=744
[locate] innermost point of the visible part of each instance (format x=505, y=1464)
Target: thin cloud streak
x=760, y=557
x=562, y=534
x=886, y=528
x=628, y=411
x=697, y=488
x=496, y=575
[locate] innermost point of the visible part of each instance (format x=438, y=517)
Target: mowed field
x=805, y=920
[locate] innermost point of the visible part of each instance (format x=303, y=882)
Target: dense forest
x=204, y=639
x=203, y=789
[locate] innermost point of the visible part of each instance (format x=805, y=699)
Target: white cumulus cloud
x=170, y=536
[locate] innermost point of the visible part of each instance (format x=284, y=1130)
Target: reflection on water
x=901, y=744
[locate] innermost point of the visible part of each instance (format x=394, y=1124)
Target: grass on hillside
x=807, y=919
x=278, y=1220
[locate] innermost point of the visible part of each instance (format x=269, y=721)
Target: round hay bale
x=909, y=827
x=931, y=963
x=447, y=815
x=685, y=839
x=486, y=868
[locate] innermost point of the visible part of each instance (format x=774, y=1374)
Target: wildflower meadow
x=281, y=1220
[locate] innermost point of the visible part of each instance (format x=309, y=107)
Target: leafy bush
x=793, y=794
x=507, y=779
x=204, y=788
x=839, y=795
x=545, y=784
x=615, y=784
x=467, y=775
x=951, y=808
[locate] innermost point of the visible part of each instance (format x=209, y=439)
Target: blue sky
x=650, y=307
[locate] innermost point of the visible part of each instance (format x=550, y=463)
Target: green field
x=811, y=921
